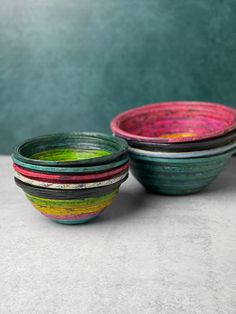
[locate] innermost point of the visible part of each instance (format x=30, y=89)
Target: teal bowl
x=177, y=176
x=78, y=149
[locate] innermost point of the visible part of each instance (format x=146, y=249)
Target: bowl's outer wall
x=177, y=176
x=74, y=211
x=74, y=65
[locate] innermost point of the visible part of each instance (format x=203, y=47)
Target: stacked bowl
x=177, y=148
x=71, y=177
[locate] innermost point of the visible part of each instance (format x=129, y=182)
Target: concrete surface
x=145, y=254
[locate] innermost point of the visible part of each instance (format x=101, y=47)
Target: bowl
x=174, y=122
x=189, y=154
x=177, y=176
x=71, y=149
x=71, y=186
x=225, y=139
x=71, y=178
x=71, y=206
x=63, y=170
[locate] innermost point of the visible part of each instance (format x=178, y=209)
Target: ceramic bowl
x=71, y=206
x=177, y=176
x=71, y=149
x=223, y=140
x=71, y=178
x=174, y=122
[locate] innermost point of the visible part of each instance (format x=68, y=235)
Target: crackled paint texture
x=73, y=65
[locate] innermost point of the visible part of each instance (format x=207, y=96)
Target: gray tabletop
x=146, y=253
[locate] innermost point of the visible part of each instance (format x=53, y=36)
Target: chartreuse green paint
x=72, y=211
x=69, y=154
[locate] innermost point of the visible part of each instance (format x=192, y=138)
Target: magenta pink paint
x=170, y=122
x=73, y=217
x=62, y=178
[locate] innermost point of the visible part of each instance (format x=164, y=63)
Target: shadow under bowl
x=71, y=149
x=178, y=176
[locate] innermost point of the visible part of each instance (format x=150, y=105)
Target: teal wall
x=73, y=64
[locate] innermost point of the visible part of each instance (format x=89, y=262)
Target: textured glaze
x=186, y=146
x=174, y=122
x=72, y=211
x=191, y=154
x=68, y=194
x=62, y=178
x=81, y=169
x=177, y=176
x=68, y=186
x=71, y=149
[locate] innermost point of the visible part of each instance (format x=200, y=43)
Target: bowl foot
x=74, y=222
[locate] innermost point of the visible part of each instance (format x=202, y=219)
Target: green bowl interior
x=69, y=147
x=69, y=154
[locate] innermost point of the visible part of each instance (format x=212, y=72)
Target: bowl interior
x=69, y=154
x=228, y=138
x=175, y=122
x=65, y=148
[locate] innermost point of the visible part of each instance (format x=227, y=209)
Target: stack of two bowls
x=177, y=148
x=71, y=178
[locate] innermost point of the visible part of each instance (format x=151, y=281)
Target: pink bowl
x=170, y=122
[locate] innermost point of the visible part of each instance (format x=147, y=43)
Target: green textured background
x=73, y=64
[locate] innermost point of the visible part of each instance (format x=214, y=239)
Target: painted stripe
x=54, y=178
x=192, y=154
x=73, y=217
x=74, y=211
x=71, y=203
x=69, y=186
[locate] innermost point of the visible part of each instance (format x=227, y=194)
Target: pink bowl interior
x=175, y=122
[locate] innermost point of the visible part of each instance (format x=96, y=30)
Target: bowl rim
x=106, y=139
x=191, y=154
x=118, y=119
x=53, y=194
x=70, y=186
x=187, y=146
x=180, y=161
x=82, y=169
x=89, y=177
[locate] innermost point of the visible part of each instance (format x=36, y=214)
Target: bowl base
x=74, y=222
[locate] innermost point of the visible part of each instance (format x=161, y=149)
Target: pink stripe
x=61, y=178
x=72, y=217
